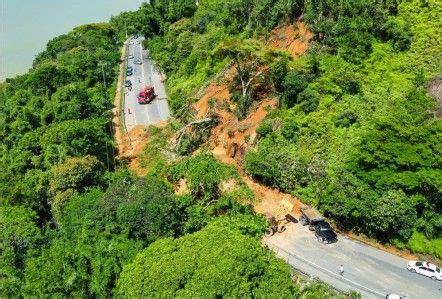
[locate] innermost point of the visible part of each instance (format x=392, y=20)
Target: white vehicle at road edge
x=425, y=268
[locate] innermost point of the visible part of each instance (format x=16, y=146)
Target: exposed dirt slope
x=132, y=146
x=293, y=38
x=232, y=138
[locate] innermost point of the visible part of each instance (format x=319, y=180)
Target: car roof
x=323, y=223
x=426, y=264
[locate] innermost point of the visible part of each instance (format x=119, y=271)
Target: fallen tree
x=181, y=132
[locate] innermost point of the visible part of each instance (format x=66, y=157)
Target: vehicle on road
x=317, y=223
x=425, y=268
x=128, y=83
x=130, y=56
x=137, y=61
x=394, y=296
x=137, y=42
x=131, y=43
x=324, y=233
x=130, y=68
x=310, y=216
x=129, y=73
x=146, y=95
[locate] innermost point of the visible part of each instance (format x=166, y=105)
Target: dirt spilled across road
x=232, y=138
x=129, y=144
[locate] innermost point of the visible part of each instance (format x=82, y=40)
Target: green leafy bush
x=225, y=262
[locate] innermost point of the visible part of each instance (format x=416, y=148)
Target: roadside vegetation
x=355, y=135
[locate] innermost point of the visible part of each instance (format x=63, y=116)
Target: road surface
x=372, y=272
x=143, y=74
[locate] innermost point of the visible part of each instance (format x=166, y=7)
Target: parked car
x=130, y=69
x=128, y=83
x=324, y=233
x=129, y=73
x=137, y=61
x=394, y=296
x=131, y=43
x=425, y=268
x=130, y=56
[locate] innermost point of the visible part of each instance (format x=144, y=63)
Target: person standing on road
x=341, y=270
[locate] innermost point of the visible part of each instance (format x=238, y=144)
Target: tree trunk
x=181, y=131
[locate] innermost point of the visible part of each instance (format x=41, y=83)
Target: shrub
x=225, y=261
x=292, y=85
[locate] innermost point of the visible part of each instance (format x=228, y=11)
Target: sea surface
x=27, y=25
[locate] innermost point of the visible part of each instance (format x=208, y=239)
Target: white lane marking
x=330, y=273
x=142, y=64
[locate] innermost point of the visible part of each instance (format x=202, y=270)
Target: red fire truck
x=146, y=95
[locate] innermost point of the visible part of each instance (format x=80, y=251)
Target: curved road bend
x=143, y=74
x=371, y=272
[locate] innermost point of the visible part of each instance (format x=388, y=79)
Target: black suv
x=325, y=233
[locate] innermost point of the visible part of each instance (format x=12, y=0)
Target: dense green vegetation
x=56, y=143
x=55, y=120
x=355, y=135
x=213, y=269
x=355, y=127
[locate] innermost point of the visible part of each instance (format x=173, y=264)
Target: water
x=27, y=25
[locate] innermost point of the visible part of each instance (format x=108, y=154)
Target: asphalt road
x=144, y=74
x=372, y=272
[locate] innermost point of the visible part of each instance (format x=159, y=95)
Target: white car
x=130, y=56
x=394, y=296
x=425, y=268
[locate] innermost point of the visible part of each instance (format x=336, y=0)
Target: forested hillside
x=355, y=134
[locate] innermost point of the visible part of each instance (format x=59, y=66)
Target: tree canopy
x=356, y=134
x=216, y=261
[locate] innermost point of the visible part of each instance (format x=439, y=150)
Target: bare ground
x=231, y=138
